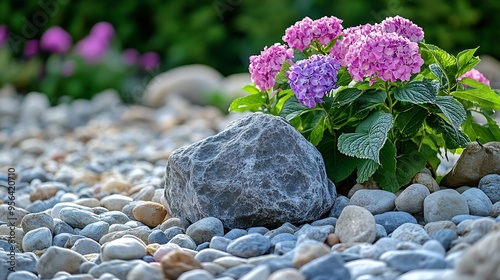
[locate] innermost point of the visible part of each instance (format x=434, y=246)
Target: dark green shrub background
x=223, y=33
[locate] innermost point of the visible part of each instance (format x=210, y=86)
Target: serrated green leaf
x=408, y=164
x=385, y=175
x=281, y=77
x=252, y=89
x=345, y=96
x=476, y=131
x=248, y=103
x=409, y=122
x=369, y=137
x=452, y=109
x=292, y=108
x=446, y=61
x=338, y=166
x=438, y=72
x=466, y=61
x=417, y=92
x=493, y=127
x=366, y=168
x=453, y=138
x=484, y=97
x=343, y=77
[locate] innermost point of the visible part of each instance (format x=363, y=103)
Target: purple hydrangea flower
x=383, y=55
x=31, y=48
x=476, y=75
x=302, y=33
x=56, y=40
x=131, y=56
x=403, y=27
x=310, y=79
x=103, y=30
x=264, y=67
x=150, y=60
x=92, y=49
x=4, y=34
x=341, y=47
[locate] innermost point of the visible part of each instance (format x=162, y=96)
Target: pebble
x=174, y=263
x=444, y=205
x=150, y=213
x=22, y=275
x=250, y=245
x=95, y=230
x=404, y=261
x=330, y=266
x=362, y=267
x=205, y=229
x=411, y=199
x=235, y=233
x=117, y=268
x=445, y=237
x=411, y=232
x=85, y=246
x=490, y=185
x=198, y=274
x=157, y=236
x=393, y=219
x=123, y=249
x=375, y=201
x=77, y=218
x=37, y=239
x=37, y=220
x=355, y=224
x=479, y=203
x=184, y=241
x=145, y=271
x=308, y=251
x=115, y=202
x=286, y=273
x=340, y=203
x=57, y=259
x=219, y=243
x=431, y=227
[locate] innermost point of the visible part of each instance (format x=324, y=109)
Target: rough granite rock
x=259, y=171
x=475, y=162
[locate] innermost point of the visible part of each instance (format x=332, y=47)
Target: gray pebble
x=235, y=233
x=118, y=268
x=339, y=204
x=36, y=207
x=209, y=255
x=62, y=227
x=220, y=243
x=77, y=218
x=184, y=241
x=434, y=246
x=490, y=185
x=393, y=219
x=173, y=231
x=157, y=236
x=86, y=246
x=283, y=237
x=259, y=230
x=318, y=233
x=250, y=245
x=22, y=275
x=196, y=274
x=460, y=218
x=37, y=220
x=37, y=239
x=375, y=201
x=23, y=262
x=411, y=232
x=479, y=204
x=238, y=271
x=367, y=267
x=405, y=261
x=203, y=246
x=330, y=266
x=332, y=221
x=204, y=229
x=284, y=247
x=445, y=237
x=114, y=217
x=444, y=205
x=411, y=199
x=380, y=232
x=95, y=230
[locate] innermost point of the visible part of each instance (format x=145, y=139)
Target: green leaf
x=343, y=77
x=369, y=137
x=438, y=72
x=453, y=138
x=298, y=55
x=248, y=103
x=474, y=84
x=452, y=109
x=493, y=127
x=446, y=61
x=367, y=101
x=281, y=77
x=366, y=168
x=485, y=98
x=466, y=61
x=292, y=108
x=408, y=164
x=409, y=122
x=476, y=131
x=345, y=96
x=252, y=89
x=417, y=92
x=338, y=166
x=385, y=175
x=313, y=125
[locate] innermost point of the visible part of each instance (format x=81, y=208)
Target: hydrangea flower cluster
x=264, y=67
x=383, y=55
x=310, y=79
x=302, y=33
x=56, y=40
x=476, y=75
x=351, y=35
x=403, y=27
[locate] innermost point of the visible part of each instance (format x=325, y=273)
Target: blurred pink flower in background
x=131, y=57
x=56, y=40
x=92, y=49
x=31, y=48
x=150, y=60
x=103, y=30
x=4, y=34
x=68, y=68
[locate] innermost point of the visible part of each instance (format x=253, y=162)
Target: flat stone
x=330, y=266
x=257, y=191
x=375, y=201
x=475, y=162
x=355, y=224
x=444, y=205
x=411, y=199
x=37, y=220
x=57, y=259
x=392, y=220
x=411, y=232
x=406, y=260
x=250, y=245
x=85, y=246
x=77, y=218
x=37, y=239
x=95, y=230
x=117, y=268
x=115, y=202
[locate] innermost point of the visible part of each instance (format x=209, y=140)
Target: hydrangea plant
x=376, y=100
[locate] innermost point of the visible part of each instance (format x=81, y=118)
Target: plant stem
x=389, y=99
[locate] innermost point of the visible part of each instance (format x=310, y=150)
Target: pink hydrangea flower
x=150, y=60
x=383, y=55
x=341, y=47
x=476, y=75
x=403, y=27
x=56, y=40
x=4, y=34
x=264, y=67
x=103, y=30
x=92, y=49
x=31, y=48
x=310, y=79
x=302, y=33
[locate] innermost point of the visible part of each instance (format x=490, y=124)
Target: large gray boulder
x=259, y=171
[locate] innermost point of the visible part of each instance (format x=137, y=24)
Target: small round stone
x=115, y=202
x=157, y=236
x=411, y=199
x=95, y=230
x=37, y=239
x=308, y=251
x=184, y=241
x=375, y=201
x=57, y=259
x=123, y=249
x=250, y=245
x=86, y=246
x=479, y=203
x=444, y=205
x=204, y=229
x=407, y=260
x=175, y=263
x=411, y=232
x=37, y=220
x=393, y=219
x=150, y=213
x=355, y=224
x=490, y=185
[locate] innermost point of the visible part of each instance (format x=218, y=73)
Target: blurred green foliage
x=223, y=33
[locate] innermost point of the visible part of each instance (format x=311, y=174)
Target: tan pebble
x=115, y=202
x=43, y=192
x=152, y=248
x=116, y=185
x=426, y=180
x=286, y=274
x=88, y=202
x=85, y=177
x=150, y=213
x=308, y=251
x=332, y=239
x=175, y=263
